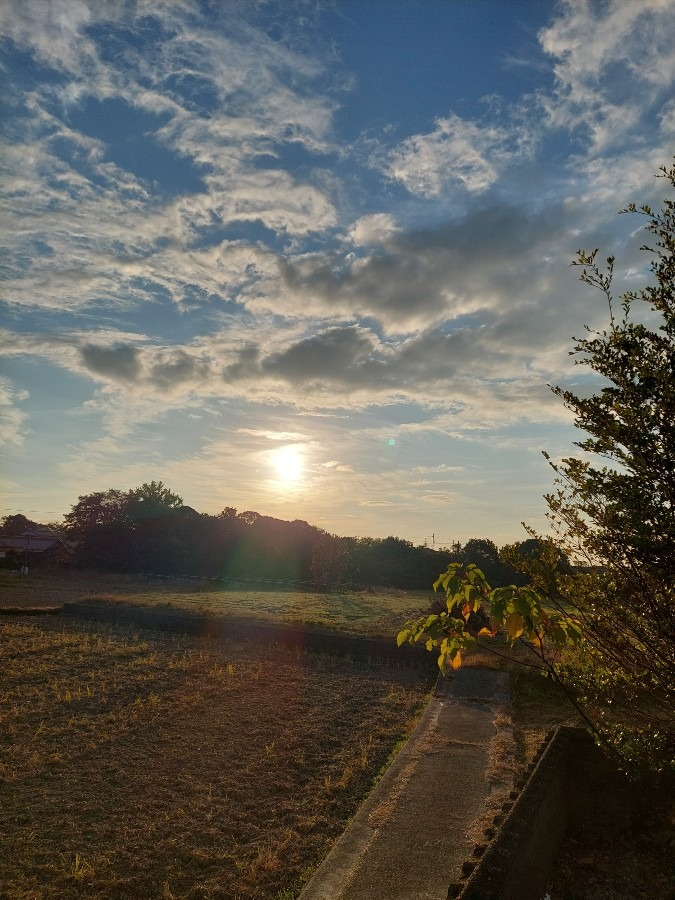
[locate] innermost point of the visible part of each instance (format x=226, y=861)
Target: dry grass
x=380, y=613
x=150, y=765
x=536, y=706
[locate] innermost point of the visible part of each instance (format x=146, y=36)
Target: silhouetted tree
x=17, y=524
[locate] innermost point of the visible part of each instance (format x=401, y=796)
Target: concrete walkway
x=408, y=839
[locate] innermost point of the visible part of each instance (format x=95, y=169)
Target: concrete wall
x=571, y=785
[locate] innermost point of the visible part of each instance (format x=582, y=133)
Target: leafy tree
x=520, y=613
x=249, y=516
x=613, y=514
x=152, y=499
x=101, y=526
x=102, y=508
x=11, y=526
x=123, y=531
x=332, y=564
x=479, y=549
x=486, y=555
x=619, y=517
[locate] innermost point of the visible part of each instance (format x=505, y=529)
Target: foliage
x=519, y=612
x=619, y=518
x=332, y=565
x=151, y=500
x=14, y=525
x=613, y=514
x=100, y=509
x=486, y=555
x=149, y=529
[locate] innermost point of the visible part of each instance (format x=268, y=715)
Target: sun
x=288, y=463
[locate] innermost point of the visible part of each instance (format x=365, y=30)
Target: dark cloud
x=344, y=360
x=335, y=355
x=422, y=277
x=117, y=363
x=247, y=365
x=175, y=370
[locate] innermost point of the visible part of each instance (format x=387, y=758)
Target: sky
x=312, y=258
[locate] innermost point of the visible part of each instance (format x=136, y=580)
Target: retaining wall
x=570, y=785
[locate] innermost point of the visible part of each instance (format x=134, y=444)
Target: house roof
x=31, y=541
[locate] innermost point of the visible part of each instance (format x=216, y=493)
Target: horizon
x=254, y=256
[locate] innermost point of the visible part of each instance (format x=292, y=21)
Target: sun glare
x=288, y=463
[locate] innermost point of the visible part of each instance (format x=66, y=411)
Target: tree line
x=150, y=530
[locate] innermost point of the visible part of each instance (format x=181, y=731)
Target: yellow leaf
x=515, y=625
x=485, y=632
x=456, y=660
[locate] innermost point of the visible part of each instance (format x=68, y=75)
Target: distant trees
x=486, y=555
x=333, y=564
x=153, y=499
x=149, y=529
x=101, y=526
x=17, y=524
x=97, y=510
x=113, y=529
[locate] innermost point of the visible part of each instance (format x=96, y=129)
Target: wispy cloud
x=612, y=62
x=12, y=417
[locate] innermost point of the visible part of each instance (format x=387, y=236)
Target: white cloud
x=108, y=231
x=294, y=436
x=374, y=229
x=612, y=61
x=613, y=65
x=667, y=118
x=457, y=151
x=53, y=30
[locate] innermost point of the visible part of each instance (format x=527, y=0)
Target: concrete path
x=408, y=839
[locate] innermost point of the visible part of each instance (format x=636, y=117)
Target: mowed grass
x=382, y=612
x=140, y=764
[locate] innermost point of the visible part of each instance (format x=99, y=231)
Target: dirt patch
x=159, y=765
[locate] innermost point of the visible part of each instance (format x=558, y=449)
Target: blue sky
x=312, y=258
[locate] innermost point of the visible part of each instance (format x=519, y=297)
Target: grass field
x=136, y=764
x=142, y=764
x=380, y=613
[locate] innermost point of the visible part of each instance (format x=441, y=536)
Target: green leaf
x=499, y=600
